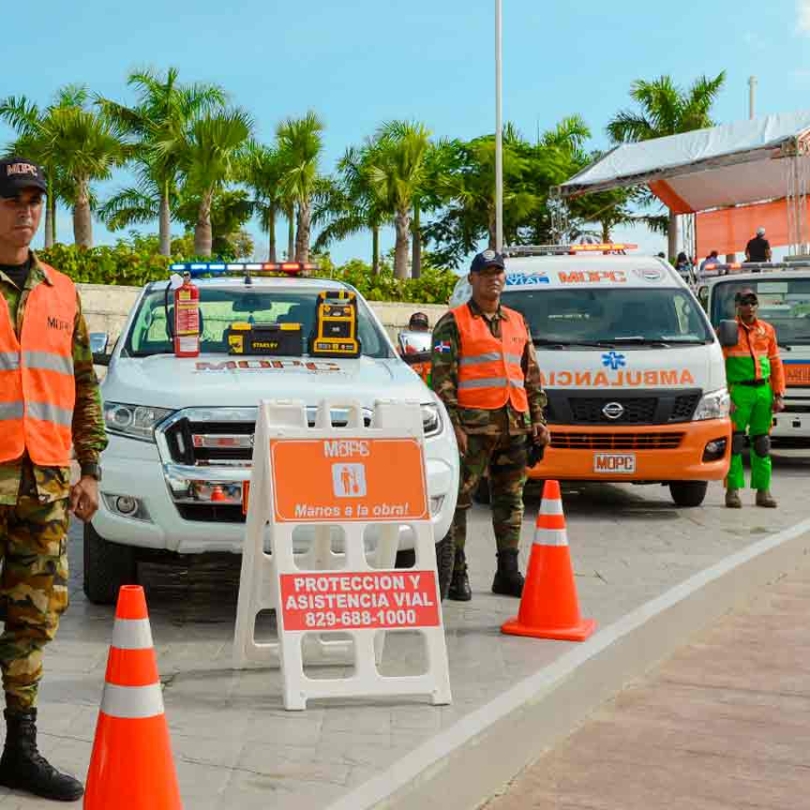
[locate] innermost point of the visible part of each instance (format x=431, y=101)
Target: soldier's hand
x=541, y=435
x=84, y=498
x=461, y=438
x=778, y=405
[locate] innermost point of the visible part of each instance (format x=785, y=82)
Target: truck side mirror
x=98, y=346
x=728, y=333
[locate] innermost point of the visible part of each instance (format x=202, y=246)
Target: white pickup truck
x=181, y=429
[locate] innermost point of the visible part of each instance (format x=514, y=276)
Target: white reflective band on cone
x=132, y=634
x=551, y=507
x=132, y=702
x=551, y=537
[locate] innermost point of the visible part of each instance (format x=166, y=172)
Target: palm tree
x=350, y=204
x=30, y=123
x=666, y=109
x=300, y=142
x=210, y=158
x=159, y=123
x=262, y=171
x=397, y=172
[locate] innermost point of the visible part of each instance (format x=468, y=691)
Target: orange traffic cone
x=549, y=607
x=217, y=494
x=131, y=767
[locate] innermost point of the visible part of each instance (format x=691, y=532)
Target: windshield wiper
x=550, y=344
x=639, y=340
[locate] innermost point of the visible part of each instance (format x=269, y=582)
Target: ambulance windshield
x=783, y=303
x=587, y=317
x=220, y=307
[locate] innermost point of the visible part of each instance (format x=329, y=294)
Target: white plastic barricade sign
x=350, y=477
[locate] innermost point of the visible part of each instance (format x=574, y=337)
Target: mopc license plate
x=614, y=463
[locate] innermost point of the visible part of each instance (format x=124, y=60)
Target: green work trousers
x=752, y=411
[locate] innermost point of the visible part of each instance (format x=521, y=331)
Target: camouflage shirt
x=89, y=437
x=445, y=381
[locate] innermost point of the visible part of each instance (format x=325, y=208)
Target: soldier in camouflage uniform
x=36, y=501
x=492, y=439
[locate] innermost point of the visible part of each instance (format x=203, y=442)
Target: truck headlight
x=133, y=421
x=431, y=419
x=714, y=405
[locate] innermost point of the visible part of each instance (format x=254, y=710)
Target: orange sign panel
x=348, y=480
x=797, y=374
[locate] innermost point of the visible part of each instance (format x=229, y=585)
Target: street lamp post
x=498, y=126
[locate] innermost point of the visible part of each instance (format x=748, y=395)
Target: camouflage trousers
x=33, y=591
x=505, y=458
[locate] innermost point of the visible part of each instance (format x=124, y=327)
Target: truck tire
x=445, y=557
x=107, y=566
x=688, y=493
x=406, y=558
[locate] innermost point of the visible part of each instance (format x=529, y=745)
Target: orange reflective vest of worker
x=37, y=386
x=490, y=373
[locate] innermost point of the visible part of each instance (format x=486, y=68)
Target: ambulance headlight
x=431, y=419
x=714, y=405
x=133, y=421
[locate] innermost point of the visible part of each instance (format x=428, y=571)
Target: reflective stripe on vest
x=37, y=386
x=490, y=373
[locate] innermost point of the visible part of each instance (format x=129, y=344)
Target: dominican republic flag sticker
x=443, y=347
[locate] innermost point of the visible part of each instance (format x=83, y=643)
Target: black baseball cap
x=419, y=319
x=488, y=258
x=17, y=174
x=746, y=296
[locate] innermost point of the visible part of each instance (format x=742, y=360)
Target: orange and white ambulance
x=632, y=368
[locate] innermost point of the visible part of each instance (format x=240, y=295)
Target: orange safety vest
x=37, y=386
x=489, y=370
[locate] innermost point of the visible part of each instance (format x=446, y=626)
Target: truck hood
x=629, y=368
x=165, y=381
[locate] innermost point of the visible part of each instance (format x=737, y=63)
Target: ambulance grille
x=644, y=407
x=615, y=441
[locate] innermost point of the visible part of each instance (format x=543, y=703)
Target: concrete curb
x=471, y=761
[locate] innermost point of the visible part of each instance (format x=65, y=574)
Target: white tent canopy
x=734, y=164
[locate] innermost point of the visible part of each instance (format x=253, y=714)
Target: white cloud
x=803, y=16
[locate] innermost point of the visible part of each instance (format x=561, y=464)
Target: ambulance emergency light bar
x=198, y=269
x=568, y=250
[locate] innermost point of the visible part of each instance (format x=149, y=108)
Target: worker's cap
x=760, y=231
x=17, y=174
x=419, y=319
x=488, y=258
x=746, y=296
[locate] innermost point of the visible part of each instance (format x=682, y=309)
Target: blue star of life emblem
x=613, y=360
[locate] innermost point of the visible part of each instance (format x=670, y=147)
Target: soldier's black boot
x=460, y=583
x=22, y=767
x=508, y=579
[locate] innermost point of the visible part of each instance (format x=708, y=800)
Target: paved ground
x=723, y=725
x=234, y=744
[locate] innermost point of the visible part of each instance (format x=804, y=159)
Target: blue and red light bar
x=198, y=269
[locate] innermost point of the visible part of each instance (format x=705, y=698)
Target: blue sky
x=361, y=62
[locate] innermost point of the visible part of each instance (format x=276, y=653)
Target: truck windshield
x=785, y=304
x=221, y=307
x=583, y=317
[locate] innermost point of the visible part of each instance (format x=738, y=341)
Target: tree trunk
x=82, y=219
x=416, y=260
x=402, y=225
x=290, y=233
x=672, y=235
x=302, y=237
x=203, y=235
x=375, y=250
x=50, y=217
x=271, y=230
x=165, y=224
x=605, y=233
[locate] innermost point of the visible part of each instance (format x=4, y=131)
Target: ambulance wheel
x=688, y=493
x=482, y=493
x=406, y=558
x=107, y=566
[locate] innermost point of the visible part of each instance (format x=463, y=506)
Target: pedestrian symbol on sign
x=349, y=480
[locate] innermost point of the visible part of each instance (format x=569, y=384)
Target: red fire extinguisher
x=187, y=319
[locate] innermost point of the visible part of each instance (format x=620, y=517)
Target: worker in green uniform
x=49, y=402
x=756, y=381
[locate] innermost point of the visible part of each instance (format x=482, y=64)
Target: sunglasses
x=749, y=300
